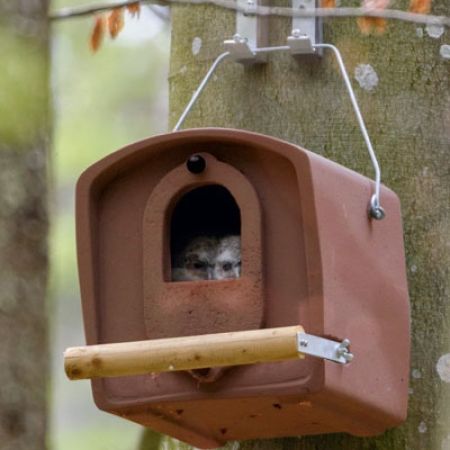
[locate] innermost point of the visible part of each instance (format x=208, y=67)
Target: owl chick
x=228, y=258
x=209, y=258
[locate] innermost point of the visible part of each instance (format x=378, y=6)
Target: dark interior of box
x=205, y=211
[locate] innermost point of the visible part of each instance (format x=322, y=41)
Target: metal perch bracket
x=247, y=47
x=324, y=348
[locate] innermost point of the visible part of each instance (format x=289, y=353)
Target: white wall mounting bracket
x=240, y=50
x=300, y=44
x=249, y=44
x=306, y=31
x=251, y=33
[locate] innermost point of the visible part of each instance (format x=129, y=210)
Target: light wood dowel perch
x=182, y=353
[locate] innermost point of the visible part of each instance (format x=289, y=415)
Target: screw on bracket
x=343, y=351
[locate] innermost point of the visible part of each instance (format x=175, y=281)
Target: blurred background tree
x=24, y=149
x=102, y=101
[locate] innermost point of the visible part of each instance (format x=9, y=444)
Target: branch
x=161, y=14
x=393, y=14
x=81, y=11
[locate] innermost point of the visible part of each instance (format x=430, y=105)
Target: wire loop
x=375, y=210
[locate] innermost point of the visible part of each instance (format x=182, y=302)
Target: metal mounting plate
x=324, y=348
x=302, y=27
x=251, y=33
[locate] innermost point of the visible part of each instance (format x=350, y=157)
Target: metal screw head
x=196, y=164
x=375, y=210
x=377, y=213
x=343, y=351
x=348, y=356
x=239, y=39
x=296, y=33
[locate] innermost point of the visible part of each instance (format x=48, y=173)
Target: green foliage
x=96, y=438
x=103, y=100
x=23, y=79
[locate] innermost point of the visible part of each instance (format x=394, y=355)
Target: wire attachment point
x=375, y=210
x=239, y=49
x=300, y=44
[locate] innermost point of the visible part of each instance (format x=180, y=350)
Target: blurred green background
x=102, y=102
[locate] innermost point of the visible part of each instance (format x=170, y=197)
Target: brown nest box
x=310, y=256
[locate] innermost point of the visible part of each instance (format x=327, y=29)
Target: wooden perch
x=182, y=353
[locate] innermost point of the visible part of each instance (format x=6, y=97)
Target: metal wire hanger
x=239, y=50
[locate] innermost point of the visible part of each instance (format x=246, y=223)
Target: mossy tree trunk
x=24, y=139
x=405, y=100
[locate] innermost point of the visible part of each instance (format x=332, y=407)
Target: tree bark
x=407, y=112
x=24, y=140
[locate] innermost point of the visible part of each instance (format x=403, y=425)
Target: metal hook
x=375, y=209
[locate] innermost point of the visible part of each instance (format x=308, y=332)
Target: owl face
x=228, y=258
x=196, y=260
x=209, y=258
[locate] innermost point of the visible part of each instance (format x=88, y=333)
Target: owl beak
x=210, y=273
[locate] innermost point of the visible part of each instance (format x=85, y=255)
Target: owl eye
x=199, y=265
x=227, y=266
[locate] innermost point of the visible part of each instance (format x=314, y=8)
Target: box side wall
x=365, y=293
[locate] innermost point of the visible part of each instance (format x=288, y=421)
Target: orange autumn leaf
x=368, y=24
x=379, y=24
x=115, y=22
x=420, y=6
x=134, y=9
x=97, y=33
x=365, y=24
x=328, y=3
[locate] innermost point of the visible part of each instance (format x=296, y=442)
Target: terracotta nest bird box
x=310, y=256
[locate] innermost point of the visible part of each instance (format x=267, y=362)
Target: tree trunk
x=407, y=111
x=24, y=139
